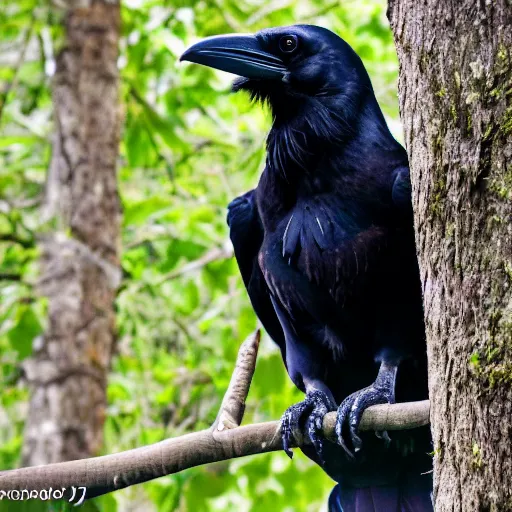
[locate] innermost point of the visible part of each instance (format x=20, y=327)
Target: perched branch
x=225, y=440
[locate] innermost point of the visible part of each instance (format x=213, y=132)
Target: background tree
x=186, y=149
x=80, y=271
x=456, y=104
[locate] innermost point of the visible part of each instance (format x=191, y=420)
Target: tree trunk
x=455, y=97
x=79, y=264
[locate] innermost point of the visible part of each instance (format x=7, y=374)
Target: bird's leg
x=351, y=410
x=308, y=414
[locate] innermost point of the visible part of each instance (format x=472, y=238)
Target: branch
x=225, y=440
x=232, y=409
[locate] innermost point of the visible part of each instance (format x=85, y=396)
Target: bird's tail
x=381, y=499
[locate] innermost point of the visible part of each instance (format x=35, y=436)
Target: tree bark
x=79, y=263
x=455, y=93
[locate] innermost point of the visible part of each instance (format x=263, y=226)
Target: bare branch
x=403, y=416
x=101, y=475
x=225, y=440
x=233, y=405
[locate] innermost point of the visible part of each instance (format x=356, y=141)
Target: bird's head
x=286, y=63
x=317, y=87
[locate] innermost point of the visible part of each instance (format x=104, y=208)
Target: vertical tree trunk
x=80, y=263
x=456, y=105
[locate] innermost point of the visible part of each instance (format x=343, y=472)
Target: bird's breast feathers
x=323, y=241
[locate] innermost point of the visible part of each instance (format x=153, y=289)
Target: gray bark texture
x=79, y=263
x=455, y=93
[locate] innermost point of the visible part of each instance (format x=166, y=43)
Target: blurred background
x=188, y=147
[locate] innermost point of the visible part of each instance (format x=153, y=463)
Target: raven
x=325, y=245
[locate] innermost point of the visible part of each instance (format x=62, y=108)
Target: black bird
x=325, y=246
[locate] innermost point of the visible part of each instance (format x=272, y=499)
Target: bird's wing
x=328, y=255
x=323, y=262
x=246, y=233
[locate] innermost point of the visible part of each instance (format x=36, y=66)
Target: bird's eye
x=288, y=44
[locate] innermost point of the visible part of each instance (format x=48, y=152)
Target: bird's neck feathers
x=300, y=132
x=311, y=131
x=326, y=132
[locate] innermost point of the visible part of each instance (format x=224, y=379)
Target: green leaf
x=140, y=211
x=137, y=144
x=22, y=335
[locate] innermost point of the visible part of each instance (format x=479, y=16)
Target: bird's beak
x=238, y=54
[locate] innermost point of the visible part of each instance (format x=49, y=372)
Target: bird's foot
x=352, y=408
x=309, y=413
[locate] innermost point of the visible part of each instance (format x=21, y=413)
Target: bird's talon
x=351, y=411
x=356, y=441
x=348, y=452
x=316, y=405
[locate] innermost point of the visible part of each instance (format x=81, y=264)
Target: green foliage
x=188, y=147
